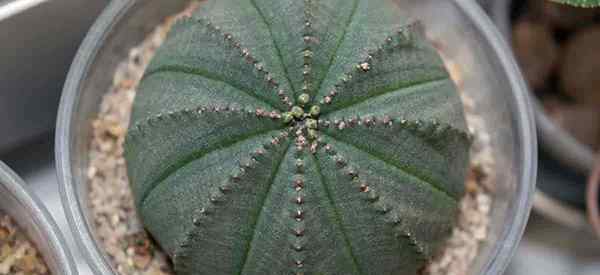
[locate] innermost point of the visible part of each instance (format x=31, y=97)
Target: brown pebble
x=29, y=263
x=536, y=50
x=142, y=262
x=5, y=251
x=140, y=243
x=472, y=183
x=116, y=130
x=4, y=233
x=581, y=64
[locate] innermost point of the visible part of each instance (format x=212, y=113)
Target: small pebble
x=18, y=255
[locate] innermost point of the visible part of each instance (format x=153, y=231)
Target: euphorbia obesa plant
x=297, y=137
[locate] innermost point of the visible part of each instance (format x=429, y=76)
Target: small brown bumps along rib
x=297, y=137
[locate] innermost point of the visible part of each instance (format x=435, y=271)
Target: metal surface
x=31, y=215
x=478, y=48
x=38, y=40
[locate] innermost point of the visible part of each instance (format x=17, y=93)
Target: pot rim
x=559, y=143
x=39, y=215
x=82, y=62
x=500, y=254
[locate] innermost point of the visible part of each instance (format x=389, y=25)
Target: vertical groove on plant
x=225, y=211
x=347, y=242
x=377, y=201
x=307, y=54
x=355, y=7
x=298, y=214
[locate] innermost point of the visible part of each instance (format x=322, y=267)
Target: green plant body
x=298, y=137
x=580, y=3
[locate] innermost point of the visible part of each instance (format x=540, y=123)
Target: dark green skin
x=235, y=172
x=580, y=3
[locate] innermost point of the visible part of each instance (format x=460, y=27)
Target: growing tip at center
x=304, y=116
x=302, y=112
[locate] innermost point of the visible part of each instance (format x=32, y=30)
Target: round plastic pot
x=462, y=30
x=31, y=216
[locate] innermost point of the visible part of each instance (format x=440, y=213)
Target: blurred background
x=39, y=38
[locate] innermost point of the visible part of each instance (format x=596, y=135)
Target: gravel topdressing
x=18, y=255
x=121, y=233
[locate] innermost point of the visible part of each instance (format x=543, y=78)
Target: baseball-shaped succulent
x=297, y=137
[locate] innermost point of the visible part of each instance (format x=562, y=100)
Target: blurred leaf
x=580, y=3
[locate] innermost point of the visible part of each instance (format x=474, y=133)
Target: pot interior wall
x=134, y=24
x=489, y=81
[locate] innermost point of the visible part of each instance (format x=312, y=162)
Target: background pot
x=473, y=43
x=565, y=162
x=32, y=217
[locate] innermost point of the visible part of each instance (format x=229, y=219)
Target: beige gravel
x=18, y=255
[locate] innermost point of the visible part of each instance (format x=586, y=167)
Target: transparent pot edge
x=558, y=142
x=70, y=97
x=501, y=253
x=37, y=216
